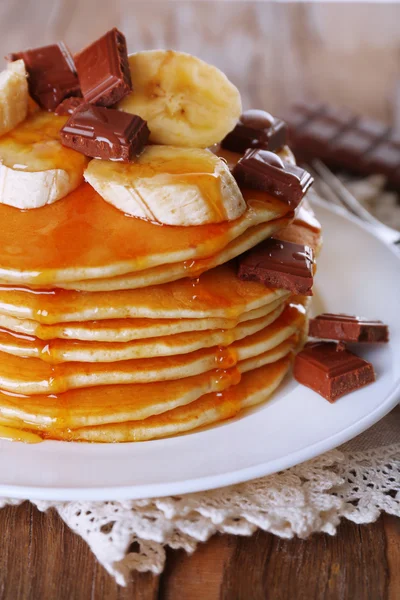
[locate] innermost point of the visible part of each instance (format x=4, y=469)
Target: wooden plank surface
x=42, y=559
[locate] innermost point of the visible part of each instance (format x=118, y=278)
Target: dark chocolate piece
x=330, y=371
x=68, y=106
x=51, y=74
x=279, y=264
x=105, y=133
x=265, y=171
x=347, y=328
x=103, y=69
x=256, y=129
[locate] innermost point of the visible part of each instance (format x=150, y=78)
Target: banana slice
x=13, y=96
x=169, y=185
x=35, y=169
x=185, y=101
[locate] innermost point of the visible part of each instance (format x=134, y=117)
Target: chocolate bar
x=103, y=69
x=51, y=74
x=279, y=264
x=266, y=171
x=68, y=106
x=344, y=140
x=350, y=146
x=317, y=133
x=347, y=328
x=256, y=129
x=331, y=370
x=105, y=133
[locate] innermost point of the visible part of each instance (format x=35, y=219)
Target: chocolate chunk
x=330, y=371
x=68, y=106
x=51, y=74
x=103, y=69
x=348, y=328
x=105, y=133
x=265, y=171
x=256, y=129
x=279, y=264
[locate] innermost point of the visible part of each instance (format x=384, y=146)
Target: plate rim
x=205, y=483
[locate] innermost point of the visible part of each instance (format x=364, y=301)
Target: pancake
x=34, y=376
x=255, y=387
x=304, y=229
x=216, y=293
x=126, y=330
x=83, y=237
x=60, y=351
x=194, y=268
x=121, y=403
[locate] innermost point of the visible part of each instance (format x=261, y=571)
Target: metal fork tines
x=330, y=187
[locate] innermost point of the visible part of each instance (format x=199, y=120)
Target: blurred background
x=344, y=53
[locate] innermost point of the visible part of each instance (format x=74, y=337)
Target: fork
x=330, y=187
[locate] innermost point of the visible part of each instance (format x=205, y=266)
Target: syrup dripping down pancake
x=61, y=351
x=216, y=293
x=83, y=237
x=120, y=403
x=190, y=268
x=34, y=376
x=126, y=330
x=255, y=387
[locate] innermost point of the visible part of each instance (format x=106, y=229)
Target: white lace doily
x=358, y=482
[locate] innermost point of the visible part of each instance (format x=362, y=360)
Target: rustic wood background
x=275, y=52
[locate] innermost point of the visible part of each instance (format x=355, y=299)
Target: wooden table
x=41, y=558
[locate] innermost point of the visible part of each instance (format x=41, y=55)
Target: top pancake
x=83, y=237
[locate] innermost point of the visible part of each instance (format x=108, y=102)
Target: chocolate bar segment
x=351, y=145
x=68, y=106
x=256, y=129
x=331, y=370
x=103, y=69
x=316, y=135
x=279, y=264
x=344, y=140
x=348, y=328
x=51, y=74
x=105, y=133
x=383, y=158
x=265, y=171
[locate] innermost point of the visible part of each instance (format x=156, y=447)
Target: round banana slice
x=35, y=169
x=170, y=185
x=185, y=101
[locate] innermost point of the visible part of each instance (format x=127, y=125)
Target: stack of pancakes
x=115, y=329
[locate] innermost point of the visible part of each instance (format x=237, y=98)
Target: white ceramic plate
x=357, y=273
